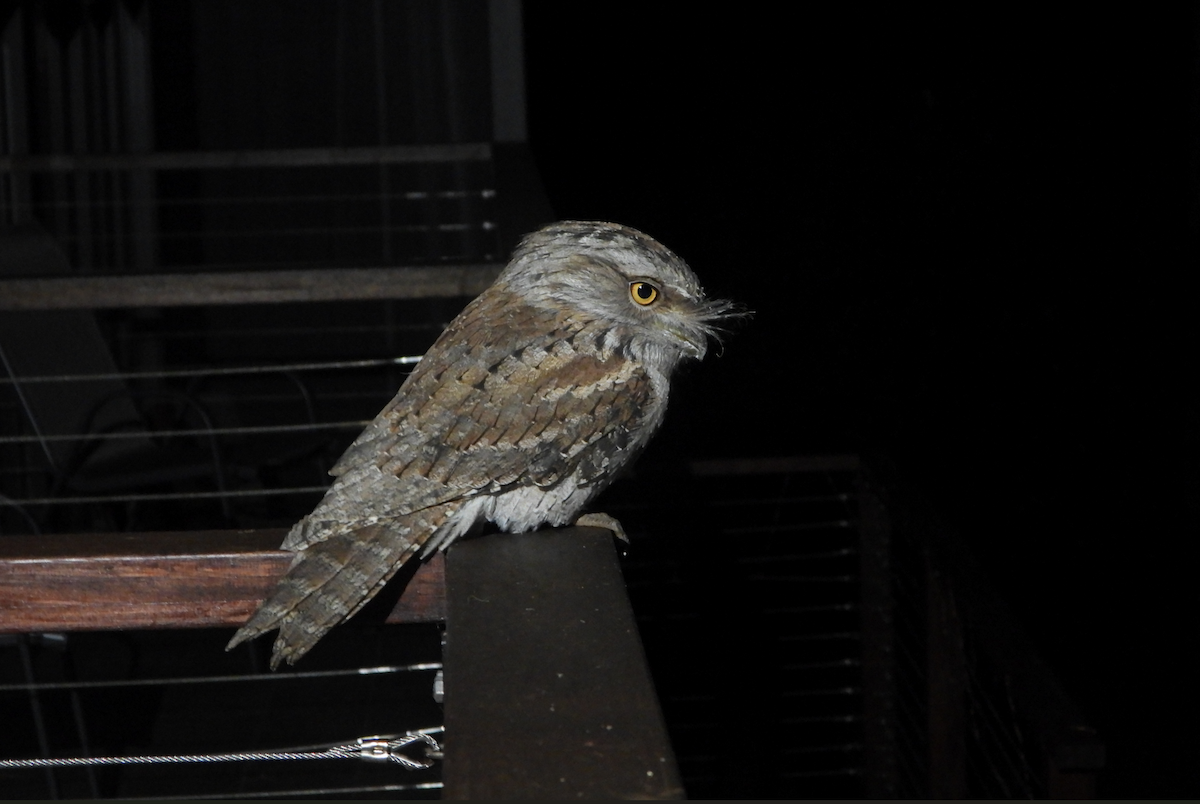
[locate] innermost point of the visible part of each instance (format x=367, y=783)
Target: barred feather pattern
x=526, y=407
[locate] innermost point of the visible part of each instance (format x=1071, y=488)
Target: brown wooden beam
x=246, y=287
x=110, y=581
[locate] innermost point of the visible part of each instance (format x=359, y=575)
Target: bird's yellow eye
x=643, y=293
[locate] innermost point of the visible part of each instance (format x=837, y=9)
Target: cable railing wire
x=261, y=200
x=210, y=431
x=299, y=675
x=261, y=429
x=165, y=496
x=241, y=333
x=406, y=360
x=309, y=791
x=377, y=748
x=304, y=231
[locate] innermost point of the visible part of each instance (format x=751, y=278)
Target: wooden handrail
x=102, y=581
x=547, y=690
x=246, y=287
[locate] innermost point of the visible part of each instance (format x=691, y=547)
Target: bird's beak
x=693, y=341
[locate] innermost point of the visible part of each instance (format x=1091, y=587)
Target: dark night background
x=963, y=234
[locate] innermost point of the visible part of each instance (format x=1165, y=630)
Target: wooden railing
x=547, y=693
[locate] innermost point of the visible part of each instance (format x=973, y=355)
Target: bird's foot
x=603, y=521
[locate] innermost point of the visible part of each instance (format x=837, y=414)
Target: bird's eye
x=643, y=293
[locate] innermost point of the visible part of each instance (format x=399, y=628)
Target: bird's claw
x=603, y=521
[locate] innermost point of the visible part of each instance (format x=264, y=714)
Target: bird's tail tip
x=282, y=651
x=238, y=638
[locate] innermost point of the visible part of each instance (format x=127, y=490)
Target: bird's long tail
x=327, y=583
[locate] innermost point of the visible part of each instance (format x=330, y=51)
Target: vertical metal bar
x=547, y=690
x=381, y=107
x=452, y=64
x=53, y=133
x=78, y=84
x=878, y=648
x=506, y=37
x=112, y=235
x=14, y=188
x=947, y=691
x=138, y=134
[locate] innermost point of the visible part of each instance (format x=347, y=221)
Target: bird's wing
x=488, y=409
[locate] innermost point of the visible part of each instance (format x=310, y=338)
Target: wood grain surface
x=196, y=579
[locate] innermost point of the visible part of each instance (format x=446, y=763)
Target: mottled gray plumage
x=523, y=410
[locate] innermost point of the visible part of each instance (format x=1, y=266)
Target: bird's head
x=618, y=275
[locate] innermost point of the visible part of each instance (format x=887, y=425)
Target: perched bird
x=523, y=410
